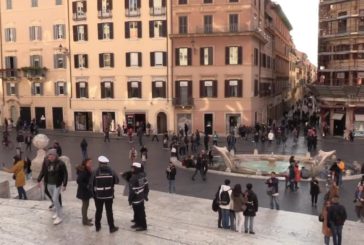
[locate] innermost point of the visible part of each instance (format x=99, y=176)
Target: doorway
x=232, y=122
x=25, y=115
x=83, y=121
x=161, y=123
x=40, y=117
x=108, y=121
x=208, y=123
x=57, y=117
x=135, y=120
x=339, y=124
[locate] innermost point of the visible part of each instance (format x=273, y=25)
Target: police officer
x=102, y=184
x=138, y=192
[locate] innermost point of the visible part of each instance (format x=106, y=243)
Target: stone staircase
x=172, y=219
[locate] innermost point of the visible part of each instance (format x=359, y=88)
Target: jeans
x=140, y=217
x=54, y=192
x=225, y=215
x=201, y=173
x=239, y=221
x=340, y=179
x=274, y=201
x=21, y=192
x=85, y=204
x=232, y=220
x=172, y=186
x=84, y=154
x=326, y=240
x=314, y=198
x=249, y=222
x=99, y=203
x=336, y=233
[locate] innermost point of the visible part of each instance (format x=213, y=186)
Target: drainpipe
x=2, y=67
x=69, y=54
x=259, y=58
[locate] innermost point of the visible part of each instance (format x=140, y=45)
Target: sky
x=303, y=15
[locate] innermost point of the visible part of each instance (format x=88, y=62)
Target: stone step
x=172, y=219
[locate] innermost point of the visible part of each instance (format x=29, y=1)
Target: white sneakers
x=54, y=216
x=57, y=221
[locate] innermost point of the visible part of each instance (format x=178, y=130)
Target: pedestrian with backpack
x=171, y=177
x=224, y=203
x=251, y=209
x=102, y=182
x=336, y=218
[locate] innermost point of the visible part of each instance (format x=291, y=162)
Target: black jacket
x=315, y=188
x=252, y=204
x=61, y=172
x=171, y=175
x=336, y=214
x=83, y=179
x=138, y=188
x=101, y=169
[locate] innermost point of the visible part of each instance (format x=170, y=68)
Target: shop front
x=135, y=120
x=83, y=121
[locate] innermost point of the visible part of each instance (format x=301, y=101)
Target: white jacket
x=270, y=136
x=226, y=188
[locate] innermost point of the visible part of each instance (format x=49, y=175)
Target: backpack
x=104, y=184
x=225, y=197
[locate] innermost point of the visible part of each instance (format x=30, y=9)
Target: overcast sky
x=303, y=15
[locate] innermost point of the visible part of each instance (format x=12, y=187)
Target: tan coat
x=325, y=229
x=18, y=170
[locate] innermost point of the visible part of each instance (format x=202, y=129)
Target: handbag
x=321, y=218
x=215, y=205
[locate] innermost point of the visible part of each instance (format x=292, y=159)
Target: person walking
x=273, y=191
x=83, y=146
x=144, y=154
x=325, y=228
x=336, y=219
x=171, y=177
x=224, y=201
x=239, y=205
x=154, y=135
x=55, y=175
x=138, y=192
x=28, y=142
x=107, y=135
x=251, y=209
x=359, y=203
x=140, y=132
x=83, y=172
x=133, y=154
x=314, y=191
x=215, y=137
x=58, y=148
x=206, y=140
x=102, y=182
x=200, y=167
x=18, y=170
x=297, y=176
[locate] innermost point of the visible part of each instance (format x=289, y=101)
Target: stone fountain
x=40, y=141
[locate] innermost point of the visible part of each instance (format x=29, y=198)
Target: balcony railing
x=79, y=16
x=331, y=1
x=9, y=74
x=209, y=29
x=132, y=12
x=183, y=102
x=34, y=72
x=157, y=11
x=104, y=14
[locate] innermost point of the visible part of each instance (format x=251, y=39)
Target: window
x=206, y=56
x=208, y=89
x=81, y=61
x=134, y=59
x=105, y=31
x=10, y=66
x=233, y=88
x=183, y=56
x=134, y=89
x=256, y=57
x=79, y=10
x=159, y=89
x=104, y=8
x=106, y=60
x=132, y=8
x=233, y=23
x=233, y=55
x=233, y=1
x=207, y=1
x=256, y=87
x=34, y=3
x=263, y=59
x=207, y=24
x=10, y=34
x=158, y=28
x=37, y=88
x=183, y=93
x=59, y=31
x=182, y=1
x=157, y=7
x=36, y=61
x=80, y=33
x=158, y=59
x=60, y=61
x=58, y=2
x=133, y=29
x=60, y=88
x=9, y=4
x=183, y=24
x=35, y=33
x=82, y=89
x=107, y=90
x=11, y=89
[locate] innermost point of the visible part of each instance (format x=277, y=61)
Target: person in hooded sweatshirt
x=224, y=199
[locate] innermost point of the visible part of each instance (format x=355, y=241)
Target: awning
x=359, y=118
x=337, y=116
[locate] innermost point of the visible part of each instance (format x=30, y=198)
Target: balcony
x=132, y=12
x=324, y=2
x=157, y=11
x=79, y=16
x=34, y=73
x=9, y=74
x=104, y=14
x=183, y=102
x=210, y=29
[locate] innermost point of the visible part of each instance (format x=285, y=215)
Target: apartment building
x=341, y=65
x=34, y=73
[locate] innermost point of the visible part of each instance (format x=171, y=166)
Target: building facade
x=341, y=65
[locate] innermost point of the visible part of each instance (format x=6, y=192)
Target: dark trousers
x=85, y=204
x=22, y=193
x=336, y=233
x=139, y=215
x=99, y=203
x=314, y=198
x=202, y=173
x=49, y=195
x=155, y=137
x=219, y=220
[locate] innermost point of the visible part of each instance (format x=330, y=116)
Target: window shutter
x=138, y=4
x=111, y=30
x=211, y=55
x=139, y=89
x=99, y=5
x=240, y=88
x=103, y=90
x=55, y=32
x=64, y=31
x=112, y=62
x=127, y=59
x=129, y=90
x=101, y=60
x=75, y=36
x=41, y=88
x=86, y=60
x=127, y=29
x=164, y=90
x=75, y=58
x=86, y=33
x=64, y=61
x=153, y=90
x=202, y=91
x=151, y=28
x=100, y=31
x=78, y=90
x=85, y=6
x=164, y=58
x=16, y=89
x=8, y=92
x=164, y=28
x=227, y=94
x=151, y=5
x=152, y=63
x=55, y=61
x=110, y=4
x=140, y=61
x=139, y=29
x=177, y=86
x=240, y=55
x=56, y=90
x=126, y=4
x=189, y=89
x=177, y=56
x=86, y=88
x=214, y=89
x=189, y=56
x=65, y=88
x=201, y=56
x=74, y=7
x=163, y=3
x=111, y=89
x=227, y=54
x=30, y=33
x=33, y=89
x=40, y=32
x=14, y=34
